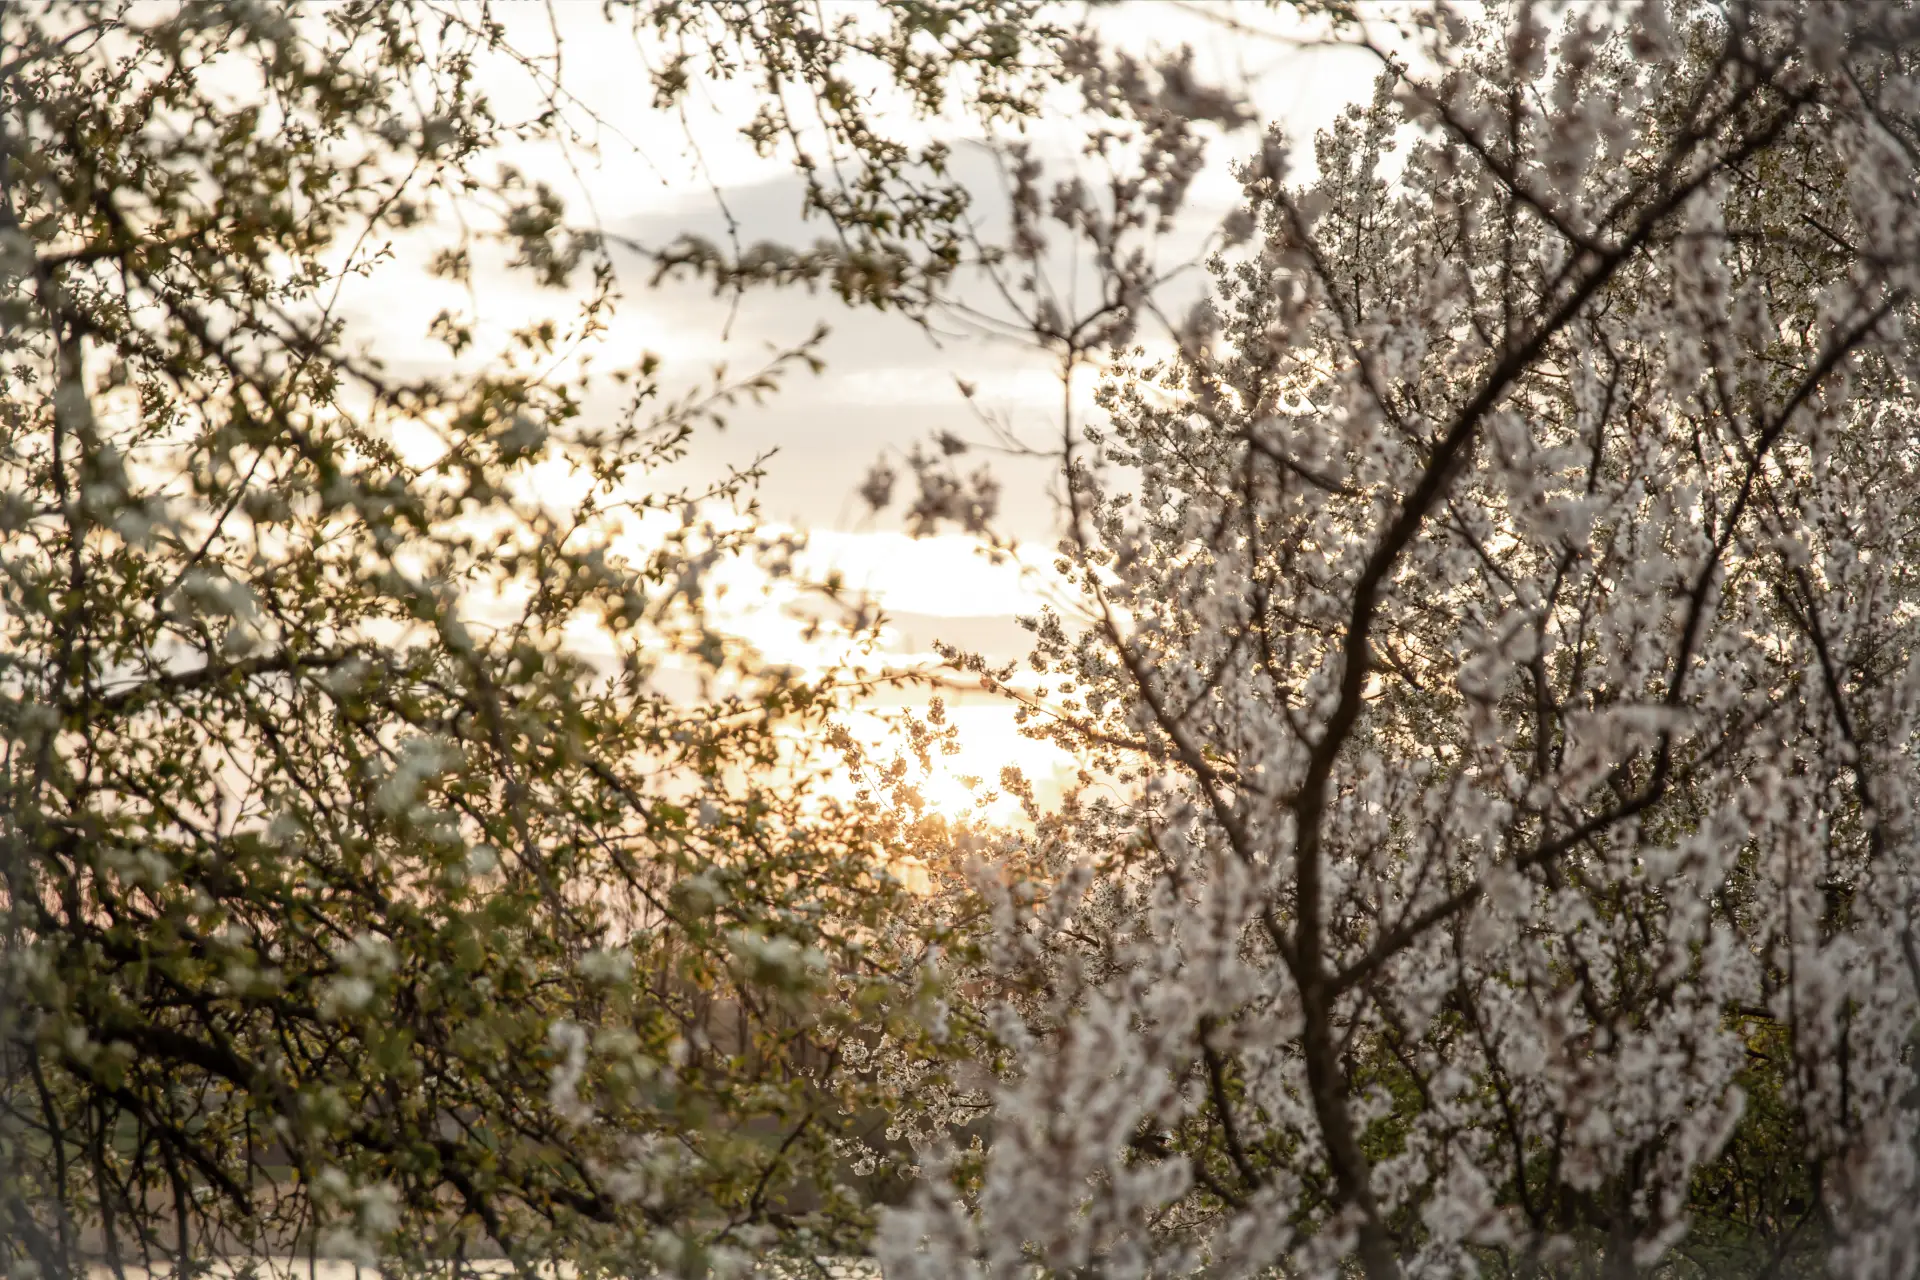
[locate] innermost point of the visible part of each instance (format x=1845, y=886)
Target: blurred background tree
x=352, y=901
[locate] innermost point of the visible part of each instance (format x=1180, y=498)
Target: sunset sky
x=887, y=385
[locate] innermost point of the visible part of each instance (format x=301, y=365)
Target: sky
x=887, y=384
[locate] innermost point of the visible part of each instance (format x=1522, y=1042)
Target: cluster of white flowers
x=364, y=962
x=366, y=1216
x=570, y=1039
x=419, y=760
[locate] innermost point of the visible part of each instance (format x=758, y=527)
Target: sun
x=954, y=795
x=965, y=785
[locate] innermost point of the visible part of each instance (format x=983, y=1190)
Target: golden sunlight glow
x=966, y=784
